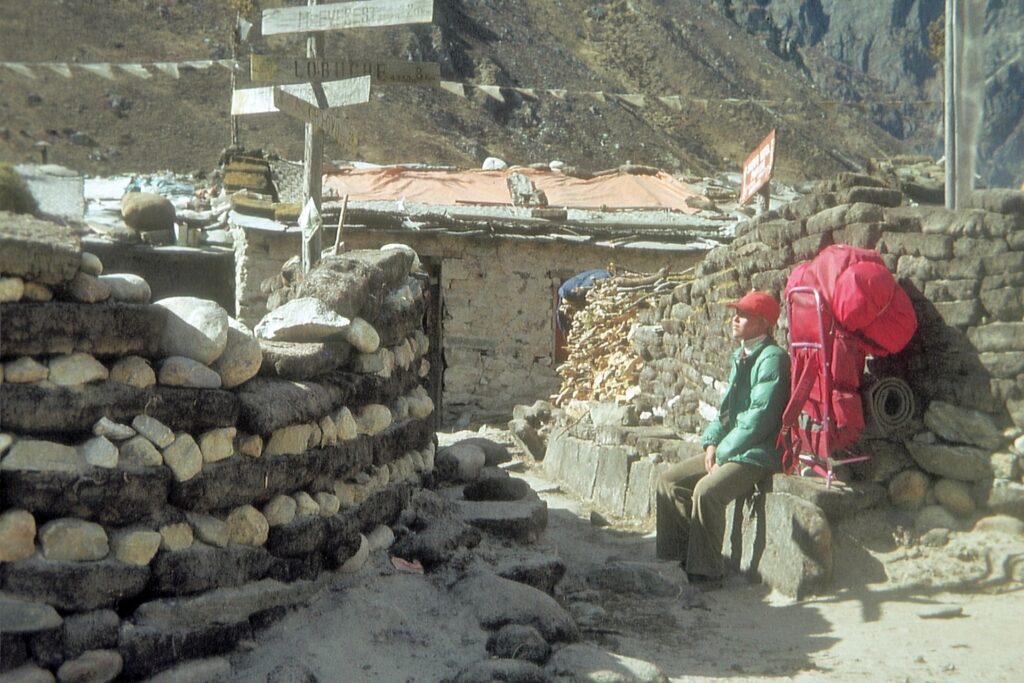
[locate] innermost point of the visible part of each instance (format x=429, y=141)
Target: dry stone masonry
x=954, y=464
x=168, y=478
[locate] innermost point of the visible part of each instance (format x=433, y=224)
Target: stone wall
x=498, y=298
x=159, y=499
x=954, y=461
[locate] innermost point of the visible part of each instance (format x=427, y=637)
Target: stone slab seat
x=837, y=502
x=781, y=540
x=269, y=403
x=110, y=496
x=74, y=586
x=31, y=409
x=105, y=330
x=37, y=249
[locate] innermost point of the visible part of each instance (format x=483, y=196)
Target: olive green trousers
x=691, y=511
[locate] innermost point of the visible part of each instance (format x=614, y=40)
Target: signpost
x=757, y=171
x=340, y=15
x=311, y=88
x=266, y=69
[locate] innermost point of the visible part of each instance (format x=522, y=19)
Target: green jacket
x=750, y=416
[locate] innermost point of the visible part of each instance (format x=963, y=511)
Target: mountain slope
x=732, y=89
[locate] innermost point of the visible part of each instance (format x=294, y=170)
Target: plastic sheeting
x=610, y=191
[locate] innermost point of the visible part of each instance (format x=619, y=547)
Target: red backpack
x=841, y=306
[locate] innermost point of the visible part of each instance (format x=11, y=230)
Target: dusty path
x=385, y=625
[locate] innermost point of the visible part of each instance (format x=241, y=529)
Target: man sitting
x=739, y=446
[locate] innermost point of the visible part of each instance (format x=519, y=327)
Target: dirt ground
x=901, y=611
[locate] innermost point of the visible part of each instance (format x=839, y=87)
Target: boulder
x=75, y=586
x=17, y=535
x=154, y=430
x=1003, y=524
x=242, y=356
x=251, y=445
x=963, y=426
x=112, y=430
x=461, y=461
x=527, y=438
x=196, y=328
x=136, y=547
x=305, y=506
x=87, y=289
x=247, y=526
x=73, y=540
x=909, y=489
x=147, y=212
x=99, y=452
x=299, y=361
x=631, y=577
x=515, y=641
x=362, y=336
x=585, y=662
x=217, y=444
x=127, y=288
x=503, y=670
x=176, y=536
x=373, y=419
x=32, y=455
x=134, y=371
x=94, y=666
x=955, y=496
x=965, y=463
x=76, y=368
x=179, y=371
x=934, y=517
x=208, y=529
x=497, y=602
x=205, y=670
x=783, y=540
x=289, y=440
x=25, y=370
x=92, y=630
x=36, y=292
x=19, y=616
x=302, y=320
x=543, y=572
x=11, y=289
x=352, y=283
x=184, y=457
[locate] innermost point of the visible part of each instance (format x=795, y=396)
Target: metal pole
x=952, y=85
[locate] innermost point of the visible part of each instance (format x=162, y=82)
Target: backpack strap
x=804, y=375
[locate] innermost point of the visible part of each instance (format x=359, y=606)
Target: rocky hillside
x=733, y=86
x=885, y=55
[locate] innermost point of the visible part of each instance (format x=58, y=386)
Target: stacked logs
x=602, y=364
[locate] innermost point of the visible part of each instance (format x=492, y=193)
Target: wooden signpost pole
x=312, y=168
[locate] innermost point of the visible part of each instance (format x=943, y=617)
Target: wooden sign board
x=341, y=15
x=757, y=169
x=337, y=94
x=265, y=69
x=306, y=102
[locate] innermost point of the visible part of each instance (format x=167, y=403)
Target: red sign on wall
x=757, y=169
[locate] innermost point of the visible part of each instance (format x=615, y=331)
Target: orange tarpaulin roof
x=613, y=190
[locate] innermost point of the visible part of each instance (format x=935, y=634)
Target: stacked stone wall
x=498, y=299
x=962, y=270
x=150, y=515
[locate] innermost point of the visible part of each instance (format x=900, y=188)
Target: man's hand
x=709, y=459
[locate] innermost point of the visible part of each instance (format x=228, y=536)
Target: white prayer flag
x=60, y=68
x=101, y=70
x=169, y=68
x=20, y=69
x=492, y=91
x=136, y=70
x=454, y=87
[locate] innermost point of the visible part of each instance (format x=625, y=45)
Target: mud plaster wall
x=964, y=272
x=498, y=303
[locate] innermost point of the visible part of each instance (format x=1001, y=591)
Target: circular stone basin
x=496, y=488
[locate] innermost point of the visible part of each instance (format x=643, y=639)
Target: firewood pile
x=602, y=364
